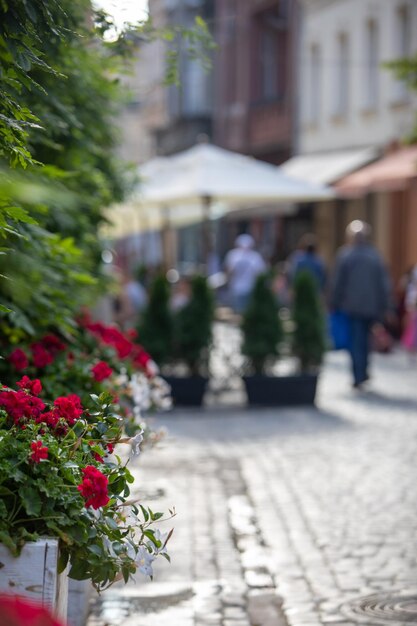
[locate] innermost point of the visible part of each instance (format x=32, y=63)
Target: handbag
x=339, y=330
x=409, y=337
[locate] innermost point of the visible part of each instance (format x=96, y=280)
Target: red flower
x=52, y=344
x=33, y=386
x=101, y=371
x=141, y=358
x=132, y=334
x=69, y=407
x=41, y=356
x=123, y=348
x=94, y=487
x=112, y=336
x=39, y=451
x=18, y=611
x=110, y=448
x=18, y=359
x=20, y=405
x=50, y=418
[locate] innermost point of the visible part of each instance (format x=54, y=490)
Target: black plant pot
x=187, y=390
x=281, y=390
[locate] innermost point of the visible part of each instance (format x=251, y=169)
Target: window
x=269, y=71
x=194, y=88
x=269, y=64
x=372, y=69
x=341, y=83
x=229, y=71
x=315, y=84
x=402, y=46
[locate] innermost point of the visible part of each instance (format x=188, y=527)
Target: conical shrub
x=309, y=340
x=156, y=329
x=193, y=327
x=261, y=326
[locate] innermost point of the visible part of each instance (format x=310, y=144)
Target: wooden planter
x=34, y=575
x=281, y=390
x=187, y=390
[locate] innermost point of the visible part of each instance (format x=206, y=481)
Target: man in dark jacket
x=361, y=289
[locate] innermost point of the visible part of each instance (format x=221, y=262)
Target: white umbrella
x=206, y=173
x=207, y=181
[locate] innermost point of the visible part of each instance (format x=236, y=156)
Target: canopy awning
x=232, y=179
x=391, y=173
x=327, y=167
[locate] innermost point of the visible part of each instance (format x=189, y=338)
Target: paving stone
x=316, y=504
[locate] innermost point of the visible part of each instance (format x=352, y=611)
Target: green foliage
x=59, y=98
x=261, y=326
x=156, y=328
x=196, y=43
x=406, y=71
x=309, y=334
x=43, y=496
x=193, y=326
x=55, y=69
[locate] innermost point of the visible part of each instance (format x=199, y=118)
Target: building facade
x=189, y=104
x=254, y=78
x=351, y=102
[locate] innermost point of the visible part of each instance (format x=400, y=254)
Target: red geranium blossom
x=39, y=451
x=101, y=371
x=94, y=487
x=20, y=405
x=18, y=611
x=69, y=407
x=41, y=356
x=33, y=386
x=18, y=359
x=112, y=336
x=141, y=358
x=53, y=344
x=50, y=418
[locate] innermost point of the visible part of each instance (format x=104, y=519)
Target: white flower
x=162, y=537
x=144, y=561
x=135, y=443
x=152, y=368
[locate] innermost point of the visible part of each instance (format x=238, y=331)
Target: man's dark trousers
x=359, y=347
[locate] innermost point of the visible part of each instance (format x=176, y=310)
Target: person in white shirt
x=243, y=265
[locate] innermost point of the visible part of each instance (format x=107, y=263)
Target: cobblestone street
x=289, y=516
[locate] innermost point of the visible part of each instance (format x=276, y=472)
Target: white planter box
x=79, y=594
x=34, y=574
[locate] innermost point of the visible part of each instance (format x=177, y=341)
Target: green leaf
x=7, y=540
x=95, y=549
x=144, y=512
x=30, y=499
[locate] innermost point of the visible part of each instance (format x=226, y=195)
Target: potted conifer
x=192, y=339
x=263, y=334
x=156, y=328
x=309, y=338
x=180, y=340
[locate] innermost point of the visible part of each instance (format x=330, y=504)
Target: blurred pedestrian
x=243, y=265
x=307, y=259
x=409, y=337
x=130, y=301
x=281, y=287
x=361, y=290
x=181, y=294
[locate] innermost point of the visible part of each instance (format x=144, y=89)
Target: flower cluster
x=94, y=487
x=43, y=353
x=58, y=477
x=124, y=344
